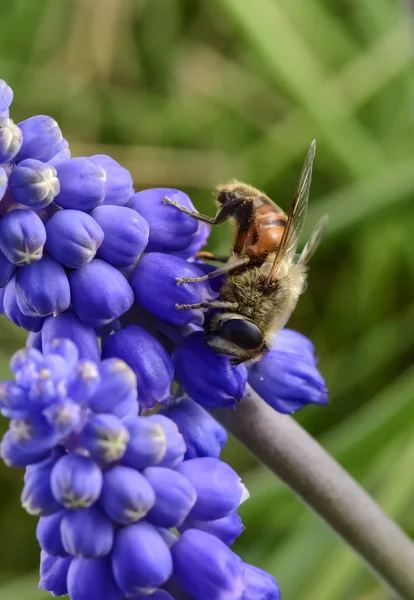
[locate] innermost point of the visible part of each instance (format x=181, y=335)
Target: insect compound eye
x=245, y=334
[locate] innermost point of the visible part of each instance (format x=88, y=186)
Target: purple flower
x=140, y=559
x=37, y=498
x=154, y=282
x=34, y=183
x=82, y=184
x=73, y=238
x=68, y=325
x=76, y=481
x=87, y=532
x=117, y=390
x=6, y=98
x=207, y=377
x=42, y=288
x=53, y=573
x=224, y=498
x=7, y=270
x=105, y=437
x=42, y=138
x=227, y=529
x=203, y=435
x=92, y=579
x=175, y=497
x=118, y=187
x=170, y=229
x=287, y=377
x=22, y=237
x=125, y=234
x=13, y=313
x=10, y=139
x=147, y=358
x=48, y=534
x=3, y=182
x=99, y=293
x=207, y=568
x=127, y=495
x=259, y=585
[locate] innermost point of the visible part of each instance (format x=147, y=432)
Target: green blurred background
x=188, y=94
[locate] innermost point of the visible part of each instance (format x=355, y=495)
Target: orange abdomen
x=266, y=232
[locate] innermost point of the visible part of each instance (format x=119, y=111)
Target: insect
x=264, y=275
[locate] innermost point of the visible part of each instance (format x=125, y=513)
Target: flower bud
x=84, y=381
x=33, y=433
x=87, y=532
x=92, y=579
x=140, y=558
x=63, y=154
x=13, y=399
x=22, y=237
x=206, y=568
x=42, y=138
x=13, y=313
x=73, y=238
x=287, y=377
x=53, y=573
x=208, y=377
x=100, y=293
x=175, y=444
x=170, y=229
x=76, y=481
x=67, y=350
x=117, y=391
x=10, y=139
x=105, y=437
x=119, y=182
x=147, y=358
x=199, y=241
x=202, y=434
x=147, y=443
x=218, y=501
x=259, y=585
x=7, y=270
x=64, y=415
x=175, y=497
x=42, y=288
x=37, y=498
x=154, y=282
x=34, y=183
x=3, y=183
x=82, y=184
x=48, y=534
x=67, y=325
x=6, y=98
x=126, y=234
x=227, y=529
x=15, y=456
x=126, y=495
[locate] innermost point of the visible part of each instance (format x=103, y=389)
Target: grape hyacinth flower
x=83, y=256
x=112, y=488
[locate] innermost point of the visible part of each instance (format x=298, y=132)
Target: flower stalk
x=280, y=443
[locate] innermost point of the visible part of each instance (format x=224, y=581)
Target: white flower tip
x=245, y=494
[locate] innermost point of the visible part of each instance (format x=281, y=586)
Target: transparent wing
x=296, y=215
x=314, y=240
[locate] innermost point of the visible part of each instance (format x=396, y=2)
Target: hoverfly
x=264, y=275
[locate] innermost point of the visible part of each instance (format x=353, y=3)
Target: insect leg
x=204, y=254
x=226, y=269
x=227, y=210
x=212, y=304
